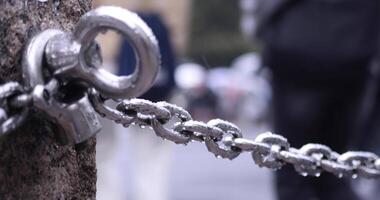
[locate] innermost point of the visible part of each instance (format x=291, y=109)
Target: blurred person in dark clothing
x=319, y=52
x=150, y=171
x=164, y=83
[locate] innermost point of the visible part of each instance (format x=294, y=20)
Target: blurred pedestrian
x=151, y=155
x=199, y=99
x=319, y=52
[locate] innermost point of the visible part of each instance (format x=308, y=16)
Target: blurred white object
x=243, y=88
x=248, y=25
x=110, y=176
x=218, y=79
x=127, y=167
x=255, y=84
x=189, y=75
x=248, y=22
x=149, y=166
x=248, y=6
x=247, y=63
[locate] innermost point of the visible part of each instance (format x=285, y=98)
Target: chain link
x=225, y=140
x=13, y=106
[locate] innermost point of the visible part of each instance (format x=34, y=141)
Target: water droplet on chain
x=304, y=174
x=219, y=156
x=142, y=126
x=356, y=162
x=340, y=175
x=318, y=174
x=354, y=176
x=55, y=5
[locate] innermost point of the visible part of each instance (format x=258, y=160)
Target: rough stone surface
x=33, y=165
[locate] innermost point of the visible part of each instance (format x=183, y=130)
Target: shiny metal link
x=13, y=122
x=9, y=89
x=377, y=163
x=249, y=145
x=368, y=172
x=303, y=164
x=10, y=117
x=177, y=111
x=225, y=140
x=3, y=115
x=200, y=129
x=363, y=163
x=318, y=151
x=227, y=127
x=270, y=159
x=169, y=134
x=220, y=149
x=357, y=158
x=144, y=109
x=21, y=101
x=338, y=169
x=112, y=114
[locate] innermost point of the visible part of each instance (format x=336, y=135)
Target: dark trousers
x=311, y=112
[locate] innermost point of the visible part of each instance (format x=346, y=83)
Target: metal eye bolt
x=68, y=55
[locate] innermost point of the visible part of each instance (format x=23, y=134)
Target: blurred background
x=213, y=67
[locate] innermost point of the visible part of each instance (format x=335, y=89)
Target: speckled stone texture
x=32, y=164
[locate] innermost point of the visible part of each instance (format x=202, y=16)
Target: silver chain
x=222, y=138
x=78, y=120
x=225, y=140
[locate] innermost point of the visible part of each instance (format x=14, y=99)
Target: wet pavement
x=196, y=174
x=186, y=173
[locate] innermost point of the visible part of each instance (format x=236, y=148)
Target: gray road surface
x=199, y=175
x=192, y=173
